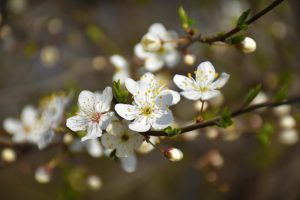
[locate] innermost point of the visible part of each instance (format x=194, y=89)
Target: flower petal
x=140, y=52
x=129, y=163
x=45, y=138
x=163, y=101
x=29, y=116
x=115, y=128
x=104, y=100
x=184, y=82
x=222, y=80
x=110, y=141
x=140, y=125
x=77, y=123
x=105, y=120
x=148, y=78
x=93, y=131
x=157, y=28
x=210, y=94
x=153, y=63
x=172, y=58
x=175, y=95
x=119, y=62
x=205, y=73
x=94, y=148
x=124, y=150
x=164, y=121
x=12, y=126
x=126, y=111
x=86, y=101
x=191, y=94
x=132, y=86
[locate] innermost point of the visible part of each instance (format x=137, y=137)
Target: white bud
x=94, y=182
x=287, y=121
x=282, y=110
x=248, y=45
x=189, y=59
x=49, y=55
x=42, y=175
x=8, y=155
x=151, y=42
x=68, y=138
x=198, y=105
x=289, y=136
x=173, y=154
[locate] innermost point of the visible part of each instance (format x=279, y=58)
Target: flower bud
x=43, y=175
x=8, y=155
x=94, y=182
x=173, y=154
x=189, y=59
x=287, y=121
x=248, y=45
x=151, y=42
x=289, y=136
x=68, y=138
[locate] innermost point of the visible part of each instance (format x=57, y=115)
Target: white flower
x=94, y=115
x=146, y=147
x=173, y=154
x=122, y=139
x=248, y=45
x=129, y=164
x=151, y=103
x=203, y=87
x=121, y=66
x=158, y=48
x=93, y=147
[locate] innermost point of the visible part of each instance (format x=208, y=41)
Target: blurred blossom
x=211, y=177
x=199, y=104
x=99, y=63
x=93, y=147
x=217, y=101
x=191, y=135
x=260, y=98
x=211, y=159
x=282, y=110
x=211, y=133
x=287, y=121
x=50, y=56
x=17, y=6
x=94, y=182
x=255, y=121
x=189, y=59
x=55, y=26
x=8, y=155
x=231, y=133
x=146, y=147
x=278, y=29
x=129, y=164
x=162, y=53
x=68, y=138
x=288, y=136
x=122, y=70
x=43, y=174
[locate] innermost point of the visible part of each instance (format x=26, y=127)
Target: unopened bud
x=43, y=174
x=287, y=121
x=94, y=182
x=248, y=45
x=8, y=155
x=189, y=59
x=173, y=154
x=151, y=42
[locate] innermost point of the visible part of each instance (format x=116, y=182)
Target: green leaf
x=236, y=39
x=171, y=132
x=186, y=22
x=265, y=134
x=225, y=119
x=121, y=95
x=243, y=18
x=113, y=155
x=252, y=94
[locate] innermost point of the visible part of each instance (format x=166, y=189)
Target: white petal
x=172, y=58
x=132, y=86
x=129, y=163
x=45, y=139
x=119, y=61
x=105, y=120
x=157, y=28
x=116, y=127
x=140, y=52
x=29, y=116
x=148, y=78
x=176, y=95
x=184, y=82
x=205, y=73
x=163, y=101
x=110, y=141
x=93, y=132
x=105, y=100
x=77, y=123
x=94, y=148
x=124, y=150
x=121, y=75
x=191, y=94
x=153, y=63
x=222, y=80
x=86, y=101
x=126, y=111
x=164, y=121
x=210, y=94
x=140, y=125
x=12, y=126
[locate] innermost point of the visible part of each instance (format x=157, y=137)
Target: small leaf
x=171, y=132
x=236, y=39
x=252, y=94
x=243, y=18
x=265, y=134
x=225, y=119
x=113, y=155
x=186, y=22
x=120, y=94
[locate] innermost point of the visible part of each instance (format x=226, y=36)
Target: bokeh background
x=48, y=46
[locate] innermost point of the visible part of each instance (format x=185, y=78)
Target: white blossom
x=158, y=48
x=248, y=45
x=122, y=139
x=173, y=154
x=121, y=68
x=129, y=164
x=93, y=147
x=93, y=115
x=150, y=107
x=203, y=87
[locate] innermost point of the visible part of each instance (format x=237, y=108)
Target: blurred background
x=48, y=46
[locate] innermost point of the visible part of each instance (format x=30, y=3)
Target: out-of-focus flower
x=287, y=121
x=50, y=55
x=94, y=182
x=173, y=154
x=68, y=138
x=122, y=139
x=99, y=63
x=158, y=48
x=204, y=87
x=189, y=59
x=8, y=155
x=248, y=45
x=93, y=147
x=94, y=115
x=55, y=26
x=122, y=68
x=150, y=106
x=17, y=6
x=212, y=133
x=129, y=164
x=289, y=136
x=146, y=147
x=282, y=110
x=200, y=105
x=43, y=174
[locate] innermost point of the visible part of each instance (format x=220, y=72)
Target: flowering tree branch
x=214, y=121
x=224, y=36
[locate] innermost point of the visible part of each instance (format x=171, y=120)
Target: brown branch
x=214, y=121
x=223, y=37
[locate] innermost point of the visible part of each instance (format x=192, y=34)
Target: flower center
x=203, y=89
x=124, y=137
x=96, y=117
x=147, y=110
